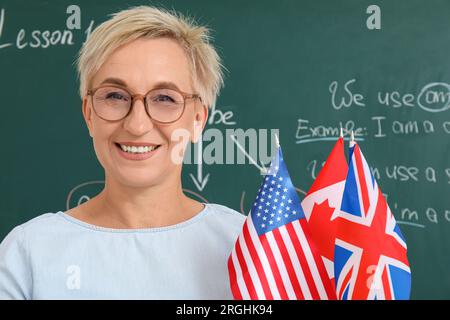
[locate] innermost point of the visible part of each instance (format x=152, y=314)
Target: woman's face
x=142, y=65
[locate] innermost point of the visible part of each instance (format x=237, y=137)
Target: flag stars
x=273, y=206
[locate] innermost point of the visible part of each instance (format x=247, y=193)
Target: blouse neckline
x=179, y=225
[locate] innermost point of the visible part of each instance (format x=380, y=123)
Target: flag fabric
x=370, y=256
x=322, y=204
x=274, y=257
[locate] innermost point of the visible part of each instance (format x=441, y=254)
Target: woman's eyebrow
x=158, y=85
x=117, y=81
x=166, y=85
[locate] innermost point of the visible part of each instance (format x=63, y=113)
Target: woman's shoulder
x=34, y=226
x=226, y=211
x=226, y=214
x=15, y=278
x=42, y=221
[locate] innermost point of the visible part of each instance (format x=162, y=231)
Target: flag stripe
x=281, y=266
x=300, y=249
x=264, y=261
x=257, y=262
x=240, y=285
x=386, y=285
x=247, y=280
x=346, y=283
x=291, y=241
x=251, y=268
x=274, y=267
x=288, y=263
x=233, y=280
x=362, y=180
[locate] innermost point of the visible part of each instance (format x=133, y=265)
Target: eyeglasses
x=113, y=103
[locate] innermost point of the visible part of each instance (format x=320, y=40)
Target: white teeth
x=134, y=149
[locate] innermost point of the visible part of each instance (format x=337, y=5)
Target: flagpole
x=352, y=142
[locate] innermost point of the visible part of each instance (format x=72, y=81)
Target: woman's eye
x=115, y=96
x=163, y=98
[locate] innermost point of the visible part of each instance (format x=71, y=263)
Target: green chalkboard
x=302, y=67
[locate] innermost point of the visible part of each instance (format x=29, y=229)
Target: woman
x=146, y=76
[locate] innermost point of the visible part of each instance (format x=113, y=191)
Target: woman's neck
x=124, y=207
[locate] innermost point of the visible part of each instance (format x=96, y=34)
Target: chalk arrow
x=200, y=181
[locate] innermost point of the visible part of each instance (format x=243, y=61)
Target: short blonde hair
x=149, y=22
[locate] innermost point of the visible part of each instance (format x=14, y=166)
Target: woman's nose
x=138, y=121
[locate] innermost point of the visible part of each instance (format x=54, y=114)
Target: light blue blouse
x=55, y=256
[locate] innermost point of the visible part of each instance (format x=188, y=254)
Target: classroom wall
x=304, y=68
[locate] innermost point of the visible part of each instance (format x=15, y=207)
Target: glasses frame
x=137, y=96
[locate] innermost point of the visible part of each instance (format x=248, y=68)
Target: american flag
x=273, y=257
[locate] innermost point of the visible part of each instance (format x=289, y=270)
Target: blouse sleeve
x=15, y=273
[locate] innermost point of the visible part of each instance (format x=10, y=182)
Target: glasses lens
x=111, y=103
x=165, y=105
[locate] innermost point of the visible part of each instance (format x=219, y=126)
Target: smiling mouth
x=136, y=149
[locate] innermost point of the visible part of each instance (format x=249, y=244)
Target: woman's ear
x=87, y=113
x=201, y=116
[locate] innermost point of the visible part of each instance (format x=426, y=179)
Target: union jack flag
x=370, y=256
x=274, y=257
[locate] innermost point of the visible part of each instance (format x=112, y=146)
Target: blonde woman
x=145, y=76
